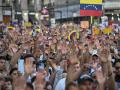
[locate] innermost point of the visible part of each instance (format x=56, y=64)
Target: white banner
x=7, y=12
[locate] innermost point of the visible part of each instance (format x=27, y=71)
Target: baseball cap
x=83, y=78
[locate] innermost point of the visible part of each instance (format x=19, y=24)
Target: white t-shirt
x=61, y=84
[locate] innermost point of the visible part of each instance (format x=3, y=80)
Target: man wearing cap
x=85, y=82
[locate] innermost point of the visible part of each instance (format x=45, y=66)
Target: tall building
x=70, y=9
x=67, y=10
x=19, y=9
x=5, y=10
x=112, y=9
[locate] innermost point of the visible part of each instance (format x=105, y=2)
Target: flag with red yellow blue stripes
x=90, y=7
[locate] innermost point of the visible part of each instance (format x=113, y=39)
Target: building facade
x=61, y=10
x=112, y=9
x=19, y=9
x=70, y=9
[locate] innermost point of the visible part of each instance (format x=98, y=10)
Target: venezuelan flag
x=90, y=9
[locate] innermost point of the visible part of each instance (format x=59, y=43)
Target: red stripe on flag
x=90, y=13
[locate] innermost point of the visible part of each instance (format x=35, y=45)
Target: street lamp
x=67, y=7
x=37, y=16
x=74, y=15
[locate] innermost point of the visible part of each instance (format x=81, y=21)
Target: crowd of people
x=65, y=57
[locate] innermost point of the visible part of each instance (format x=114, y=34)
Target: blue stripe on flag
x=91, y=7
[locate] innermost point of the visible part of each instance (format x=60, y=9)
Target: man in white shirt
x=61, y=84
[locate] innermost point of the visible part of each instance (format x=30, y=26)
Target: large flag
x=90, y=7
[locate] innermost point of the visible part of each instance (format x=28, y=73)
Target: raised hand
x=103, y=55
x=40, y=79
x=73, y=59
x=26, y=46
x=13, y=48
x=100, y=77
x=19, y=83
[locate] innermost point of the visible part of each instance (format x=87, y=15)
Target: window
x=3, y=1
x=31, y=2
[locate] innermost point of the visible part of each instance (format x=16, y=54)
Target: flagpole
x=91, y=22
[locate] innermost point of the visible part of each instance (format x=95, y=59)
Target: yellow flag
x=107, y=30
x=28, y=24
x=37, y=30
x=90, y=1
x=96, y=31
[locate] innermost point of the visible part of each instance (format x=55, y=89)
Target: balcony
x=112, y=5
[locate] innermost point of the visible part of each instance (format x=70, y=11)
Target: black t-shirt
x=117, y=78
